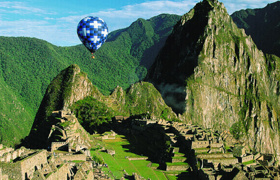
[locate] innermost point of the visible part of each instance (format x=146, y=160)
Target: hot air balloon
x=93, y=32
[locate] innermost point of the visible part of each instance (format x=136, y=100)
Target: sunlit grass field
x=119, y=164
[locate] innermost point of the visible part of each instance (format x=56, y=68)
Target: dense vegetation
x=28, y=65
x=72, y=89
x=141, y=100
x=92, y=113
x=11, y=108
x=263, y=25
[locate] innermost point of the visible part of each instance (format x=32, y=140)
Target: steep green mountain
x=263, y=25
x=211, y=73
x=128, y=52
x=16, y=120
x=71, y=89
x=28, y=65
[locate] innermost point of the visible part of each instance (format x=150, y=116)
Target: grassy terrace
x=118, y=164
x=249, y=162
x=177, y=164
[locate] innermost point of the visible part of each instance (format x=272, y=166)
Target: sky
x=56, y=20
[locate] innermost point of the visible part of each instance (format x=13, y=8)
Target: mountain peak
x=69, y=86
x=186, y=41
x=212, y=73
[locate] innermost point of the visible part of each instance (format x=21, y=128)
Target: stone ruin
x=74, y=137
x=74, y=163
x=217, y=162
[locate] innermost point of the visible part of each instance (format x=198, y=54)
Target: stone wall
x=90, y=176
x=8, y=154
x=175, y=149
x=73, y=157
x=79, y=175
x=30, y=164
x=177, y=168
x=174, y=160
x=3, y=151
x=207, y=156
x=38, y=175
x=216, y=150
x=216, y=145
x=203, y=150
x=137, y=158
x=225, y=161
x=200, y=144
x=189, y=136
x=62, y=173
x=247, y=158
x=57, y=145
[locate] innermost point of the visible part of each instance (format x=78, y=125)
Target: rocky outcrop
x=67, y=88
x=211, y=73
x=72, y=85
x=80, y=87
x=141, y=98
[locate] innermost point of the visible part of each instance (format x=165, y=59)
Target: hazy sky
x=56, y=20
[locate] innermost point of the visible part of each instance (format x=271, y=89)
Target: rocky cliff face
x=211, y=73
x=68, y=87
x=141, y=99
x=72, y=85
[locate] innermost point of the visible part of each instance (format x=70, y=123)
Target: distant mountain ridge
x=263, y=25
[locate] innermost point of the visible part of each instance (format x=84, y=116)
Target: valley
x=190, y=97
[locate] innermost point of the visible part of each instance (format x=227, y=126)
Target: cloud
x=16, y=7
x=237, y=5
x=60, y=29
x=123, y=17
x=149, y=9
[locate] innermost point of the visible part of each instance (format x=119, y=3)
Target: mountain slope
x=16, y=120
x=127, y=53
x=69, y=86
x=263, y=25
x=71, y=89
x=28, y=65
x=211, y=73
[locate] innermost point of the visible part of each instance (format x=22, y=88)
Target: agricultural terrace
x=119, y=164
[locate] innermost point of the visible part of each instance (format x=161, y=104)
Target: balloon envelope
x=93, y=32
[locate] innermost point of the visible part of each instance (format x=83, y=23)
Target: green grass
x=177, y=164
x=249, y=162
x=119, y=164
x=170, y=177
x=59, y=151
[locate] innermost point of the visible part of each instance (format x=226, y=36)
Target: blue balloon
x=93, y=32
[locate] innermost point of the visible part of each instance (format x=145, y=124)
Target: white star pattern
x=95, y=39
x=95, y=24
x=104, y=32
